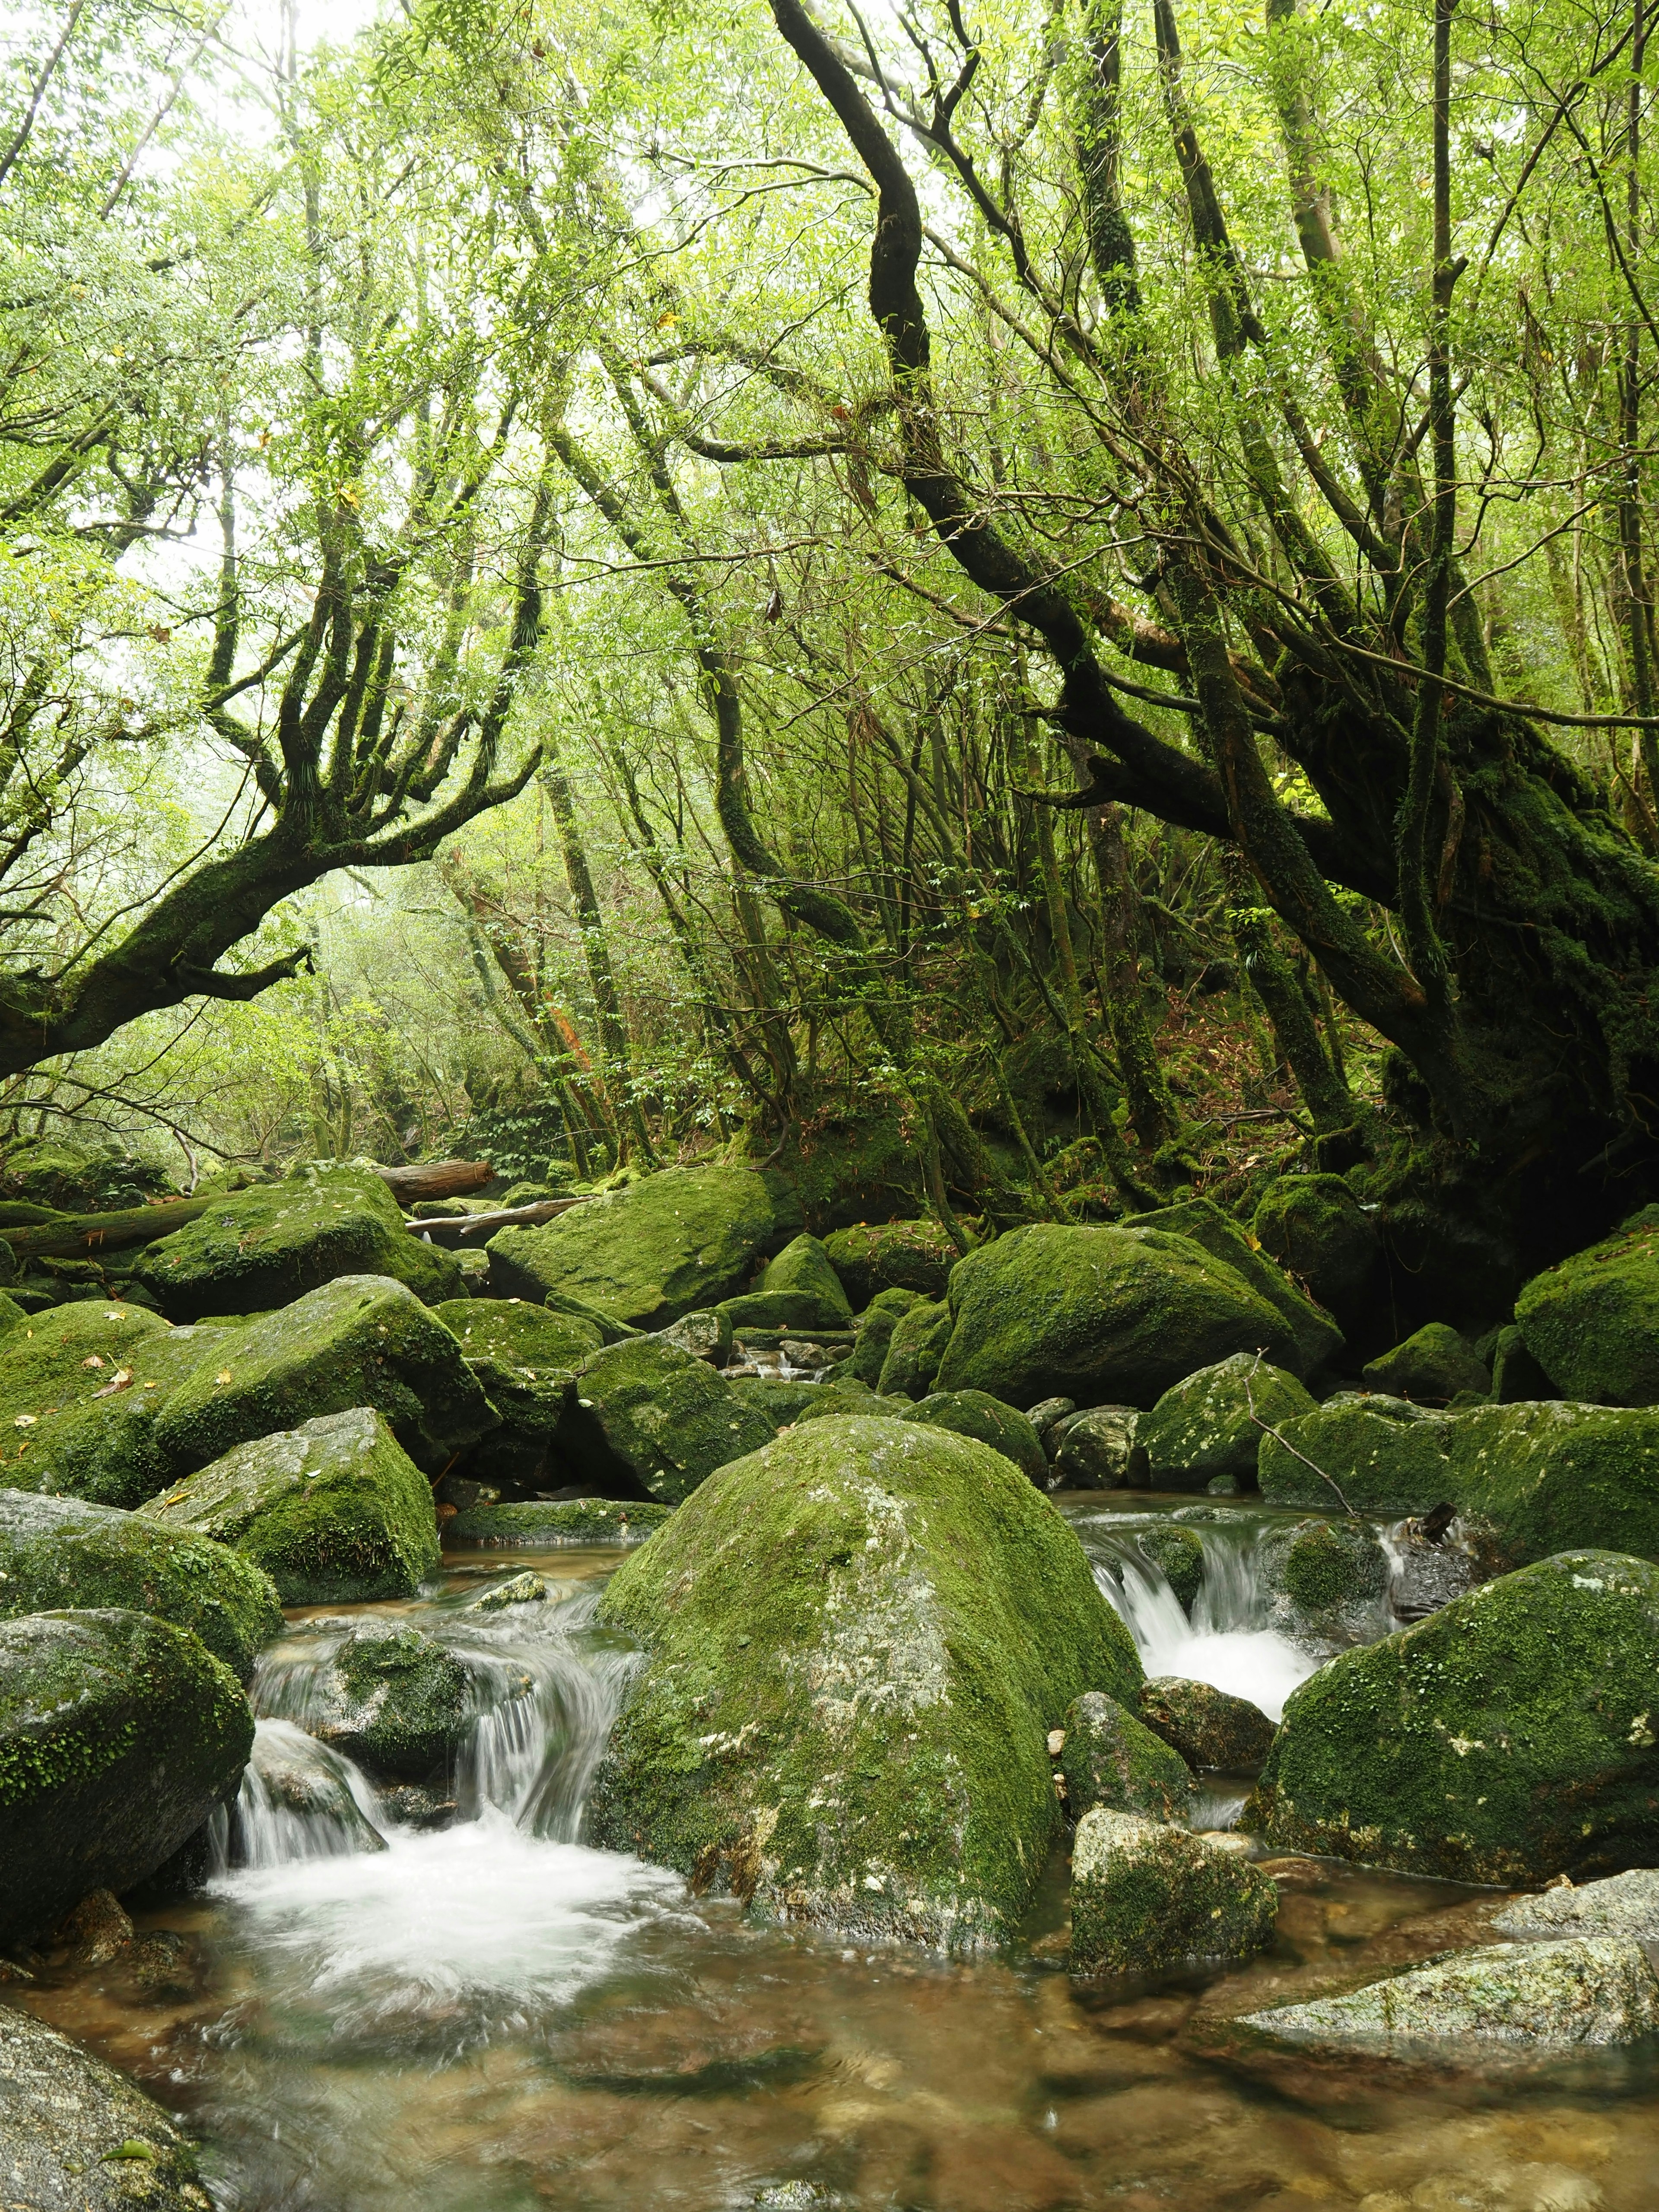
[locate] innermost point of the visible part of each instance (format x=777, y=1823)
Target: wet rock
x=1592, y=1323
x=1316, y=1230
x=256, y=1250
x=1094, y=1450
x=1508, y=1737
x=799, y=1290
x=706, y=1334
x=1430, y=1368
x=1045, y=1415
x=118, y=1734
x=558, y=1521
x=1623, y=1904
x=363, y=1340
x=915, y=1350
x=75, y=2138
x=908, y=1255
x=161, y=1967
x=647, y=1418
x=523, y=1358
x=1110, y=1757
x=395, y=1701
x=1098, y=1315
x=1146, y=1896
x=1430, y=1567
x=972, y=1413
x=1210, y=1423
x=857, y=1639
x=418, y=1805
x=668, y=1245
x=291, y=1772
x=1178, y=1555
x=96, y=1931
x=1317, y=1338
x=59, y=1551
x=1535, y=1999
x=332, y=1510
x=1329, y=1580
x=1208, y=1727
x=519, y=1590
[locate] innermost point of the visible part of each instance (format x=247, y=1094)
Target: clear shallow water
x=493, y=2018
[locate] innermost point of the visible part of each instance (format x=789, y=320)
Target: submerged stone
x=1508, y=1738
x=857, y=1641
x=119, y=1734
x=519, y=1590
x=332, y=1510
x=60, y=1551
x=1110, y=1757
x=1099, y=1314
x=645, y=1417
x=1146, y=1896
x=1210, y=1423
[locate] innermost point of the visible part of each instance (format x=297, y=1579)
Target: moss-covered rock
x=1430, y=1368
x=971, y=1413
x=1508, y=1738
x=908, y=1256
x=844, y=1393
x=363, y=1340
x=1209, y=1424
x=645, y=1417
x=1317, y=1338
x=798, y=1290
x=915, y=1350
x=1178, y=1555
x=59, y=1552
x=706, y=1334
x=332, y=1510
x=1209, y=1727
x=1146, y=1896
x=394, y=1700
x=118, y=1734
x=863, y=1168
x=71, y=2129
x=524, y=1357
x=546, y=1523
x=685, y=1238
x=1537, y=2000
x=857, y=1639
x=1516, y=1377
x=1381, y=1455
x=1592, y=1323
x=11, y=1314
x=1317, y=1231
x=1094, y=1450
x=780, y=1402
x=1110, y=1757
x=1099, y=1314
x=253, y=1249
x=1329, y=1580
x=874, y=1340
x=51, y=1175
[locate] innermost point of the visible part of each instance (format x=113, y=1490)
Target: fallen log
x=464, y=1227
x=436, y=1179
x=86, y=1236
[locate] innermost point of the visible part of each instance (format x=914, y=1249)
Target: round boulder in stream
x=1213, y=1423
x=1208, y=1727
x=1329, y=1580
x=395, y=1701
x=1146, y=1896
x=857, y=1640
x=1510, y=1737
x=75, y=2138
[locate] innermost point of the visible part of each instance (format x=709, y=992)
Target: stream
x=491, y=2017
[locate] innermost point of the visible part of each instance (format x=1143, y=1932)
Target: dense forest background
x=1025, y=607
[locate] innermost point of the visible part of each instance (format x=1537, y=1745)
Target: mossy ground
x=858, y=1638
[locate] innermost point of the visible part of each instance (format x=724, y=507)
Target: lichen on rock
x=1146, y=1896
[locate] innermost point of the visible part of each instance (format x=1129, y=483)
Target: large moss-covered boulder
x=1111, y=1758
x=363, y=1340
x=1146, y=1896
x=906, y=1255
x=1507, y=1739
x=1318, y=1340
x=332, y=1510
x=1592, y=1323
x=253, y=1249
x=1099, y=1314
x=1318, y=1232
x=971, y=1413
x=524, y=1357
x=77, y=2136
x=798, y=1290
x=674, y=1241
x=119, y=1734
x=857, y=1639
x=394, y=1700
x=915, y=1350
x=1369, y=1455
x=59, y=1551
x=1209, y=1424
x=1431, y=1367
x=646, y=1417
x=52, y=1173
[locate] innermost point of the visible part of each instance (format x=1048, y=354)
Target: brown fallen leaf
x=123, y=1378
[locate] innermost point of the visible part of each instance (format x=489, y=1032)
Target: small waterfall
x=298, y=1800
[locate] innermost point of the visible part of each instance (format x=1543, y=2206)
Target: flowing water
x=491, y=2017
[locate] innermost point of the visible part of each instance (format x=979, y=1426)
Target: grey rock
x=1045, y=1414
x=1623, y=1904
x=527, y=1589
x=75, y=2138
x=1208, y=1727
x=1094, y=1447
